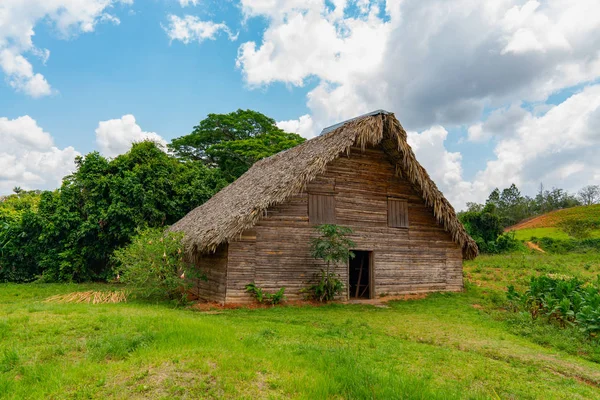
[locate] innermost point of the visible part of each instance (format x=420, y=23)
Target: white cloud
x=440, y=63
x=431, y=61
x=444, y=167
x=185, y=3
x=303, y=126
x=563, y=143
x=191, y=28
x=116, y=136
x=29, y=158
x=502, y=122
x=18, y=19
x=558, y=148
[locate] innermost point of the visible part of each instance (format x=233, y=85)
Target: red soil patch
x=214, y=308
x=542, y=221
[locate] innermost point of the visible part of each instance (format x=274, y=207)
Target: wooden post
x=362, y=262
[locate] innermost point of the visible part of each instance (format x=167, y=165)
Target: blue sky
x=485, y=90
x=133, y=68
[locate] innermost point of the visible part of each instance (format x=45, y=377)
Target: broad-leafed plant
x=331, y=245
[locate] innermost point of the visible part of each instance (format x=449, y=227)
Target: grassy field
x=456, y=345
x=553, y=233
x=547, y=225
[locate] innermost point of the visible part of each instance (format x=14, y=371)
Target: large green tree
x=98, y=208
x=233, y=142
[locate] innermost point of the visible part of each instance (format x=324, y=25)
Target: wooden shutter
x=321, y=209
x=397, y=213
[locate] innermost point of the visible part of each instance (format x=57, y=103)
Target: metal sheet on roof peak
x=334, y=127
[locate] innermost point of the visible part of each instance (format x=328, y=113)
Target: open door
x=360, y=271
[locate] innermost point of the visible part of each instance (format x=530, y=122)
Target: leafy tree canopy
x=98, y=209
x=233, y=142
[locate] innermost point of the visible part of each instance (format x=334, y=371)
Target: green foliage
x=563, y=246
x=561, y=299
x=578, y=229
x=332, y=244
x=327, y=287
x=154, y=267
x=512, y=207
x=70, y=234
x=333, y=247
x=12, y=207
x=233, y=142
x=17, y=227
x=74, y=230
x=264, y=297
x=484, y=225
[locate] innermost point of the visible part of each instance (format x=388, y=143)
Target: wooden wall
x=214, y=265
x=418, y=259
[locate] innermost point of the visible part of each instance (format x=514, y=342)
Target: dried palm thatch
x=272, y=180
x=94, y=297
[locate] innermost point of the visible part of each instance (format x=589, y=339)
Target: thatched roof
x=274, y=179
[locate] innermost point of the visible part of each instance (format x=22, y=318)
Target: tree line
x=71, y=233
x=504, y=208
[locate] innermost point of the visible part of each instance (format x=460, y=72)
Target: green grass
x=553, y=233
x=453, y=345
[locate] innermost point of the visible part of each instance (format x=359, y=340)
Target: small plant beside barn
x=333, y=247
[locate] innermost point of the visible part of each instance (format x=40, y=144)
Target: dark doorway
x=359, y=275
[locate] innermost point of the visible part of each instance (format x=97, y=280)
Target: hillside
x=547, y=225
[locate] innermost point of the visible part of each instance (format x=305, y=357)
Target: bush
x=504, y=243
x=153, y=265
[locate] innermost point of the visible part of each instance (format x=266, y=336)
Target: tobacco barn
x=361, y=174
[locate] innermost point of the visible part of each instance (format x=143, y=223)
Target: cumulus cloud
x=115, y=136
x=559, y=147
x=191, y=28
x=561, y=144
x=422, y=58
x=502, y=122
x=303, y=126
x=29, y=158
x=440, y=65
x=18, y=19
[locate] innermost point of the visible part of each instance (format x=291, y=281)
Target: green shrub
x=153, y=265
x=332, y=246
x=504, y=243
x=327, y=287
x=264, y=297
